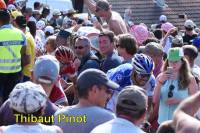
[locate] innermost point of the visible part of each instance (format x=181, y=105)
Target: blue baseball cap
x=46, y=69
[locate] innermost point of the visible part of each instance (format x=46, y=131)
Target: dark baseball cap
x=91, y=77
x=21, y=21
x=133, y=99
x=64, y=34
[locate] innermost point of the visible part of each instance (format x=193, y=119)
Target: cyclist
x=139, y=73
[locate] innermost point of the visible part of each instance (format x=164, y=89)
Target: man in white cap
x=189, y=34
x=27, y=100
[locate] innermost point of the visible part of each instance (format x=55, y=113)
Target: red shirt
x=57, y=95
x=2, y=4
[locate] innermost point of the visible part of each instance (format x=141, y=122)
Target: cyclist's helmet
x=64, y=53
x=142, y=64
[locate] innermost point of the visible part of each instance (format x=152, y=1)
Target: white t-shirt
x=37, y=128
x=117, y=125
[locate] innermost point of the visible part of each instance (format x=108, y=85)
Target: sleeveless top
x=37, y=128
x=166, y=111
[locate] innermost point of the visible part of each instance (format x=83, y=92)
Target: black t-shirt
x=188, y=38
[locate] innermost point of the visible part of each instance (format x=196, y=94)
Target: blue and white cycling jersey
x=122, y=76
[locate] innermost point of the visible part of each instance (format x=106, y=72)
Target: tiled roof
x=146, y=11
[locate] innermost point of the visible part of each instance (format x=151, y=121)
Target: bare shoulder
x=186, y=123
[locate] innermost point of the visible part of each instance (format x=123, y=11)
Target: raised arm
x=183, y=119
x=91, y=4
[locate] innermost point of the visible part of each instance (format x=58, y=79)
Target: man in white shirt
x=130, y=109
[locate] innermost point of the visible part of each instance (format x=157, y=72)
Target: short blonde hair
x=51, y=40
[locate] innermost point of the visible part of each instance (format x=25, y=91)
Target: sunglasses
x=78, y=47
x=188, y=29
x=170, y=93
x=141, y=76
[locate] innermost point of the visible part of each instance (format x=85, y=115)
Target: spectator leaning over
x=130, y=110
x=173, y=84
x=12, y=55
x=189, y=34
x=126, y=47
x=139, y=73
x=106, y=46
x=28, y=100
x=20, y=23
x=103, y=9
x=94, y=89
x=83, y=51
x=183, y=115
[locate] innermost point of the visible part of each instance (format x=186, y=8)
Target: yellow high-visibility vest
x=11, y=42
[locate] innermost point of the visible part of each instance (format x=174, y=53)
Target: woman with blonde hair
x=173, y=84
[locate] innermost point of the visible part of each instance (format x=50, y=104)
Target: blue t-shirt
x=111, y=61
x=122, y=76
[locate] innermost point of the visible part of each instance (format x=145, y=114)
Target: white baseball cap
x=56, y=12
x=189, y=23
x=163, y=18
x=49, y=29
x=40, y=25
x=27, y=97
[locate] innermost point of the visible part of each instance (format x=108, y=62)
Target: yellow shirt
x=30, y=50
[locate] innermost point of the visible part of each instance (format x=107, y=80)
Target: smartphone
x=169, y=70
